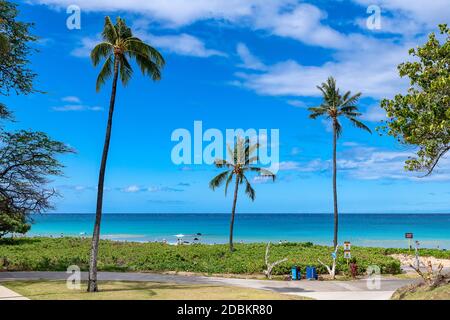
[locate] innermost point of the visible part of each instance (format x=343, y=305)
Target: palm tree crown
x=240, y=162
x=335, y=105
x=118, y=46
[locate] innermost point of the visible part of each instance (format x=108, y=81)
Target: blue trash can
x=311, y=273
x=294, y=272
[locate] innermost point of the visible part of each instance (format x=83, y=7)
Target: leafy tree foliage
x=13, y=223
x=15, y=38
x=26, y=160
x=422, y=116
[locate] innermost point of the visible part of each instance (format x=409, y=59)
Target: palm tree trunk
x=335, y=239
x=233, y=211
x=92, y=284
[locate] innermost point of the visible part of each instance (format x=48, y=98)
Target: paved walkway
x=6, y=294
x=322, y=290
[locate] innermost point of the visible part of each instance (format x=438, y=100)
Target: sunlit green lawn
x=116, y=290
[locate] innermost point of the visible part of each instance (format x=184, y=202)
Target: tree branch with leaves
x=27, y=159
x=421, y=117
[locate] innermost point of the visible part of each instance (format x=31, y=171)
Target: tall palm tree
x=334, y=106
x=241, y=162
x=118, y=46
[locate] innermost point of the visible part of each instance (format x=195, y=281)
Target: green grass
x=119, y=290
x=56, y=254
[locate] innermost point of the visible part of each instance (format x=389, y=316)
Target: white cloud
x=301, y=22
x=285, y=18
x=76, y=107
x=182, y=44
x=261, y=179
x=85, y=47
x=45, y=41
x=249, y=61
x=374, y=114
x=311, y=166
x=350, y=144
x=410, y=16
x=71, y=99
x=368, y=163
x=327, y=124
x=297, y=103
x=368, y=66
x=360, y=63
x=132, y=189
x=174, y=12
x=153, y=189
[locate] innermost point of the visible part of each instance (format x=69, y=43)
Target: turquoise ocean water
x=387, y=230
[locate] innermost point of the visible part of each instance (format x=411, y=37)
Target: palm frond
x=350, y=114
x=126, y=71
x=249, y=191
x=346, y=96
x=136, y=45
x=220, y=163
x=348, y=109
x=251, y=160
x=338, y=128
x=109, y=32
x=123, y=31
x=105, y=72
x=230, y=177
x=359, y=124
x=264, y=172
x=351, y=101
x=317, y=111
x=230, y=153
x=251, y=148
x=100, y=51
x=147, y=66
x=218, y=180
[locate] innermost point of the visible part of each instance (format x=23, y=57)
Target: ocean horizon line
x=245, y=213
x=316, y=228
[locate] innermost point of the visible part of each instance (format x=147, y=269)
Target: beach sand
x=406, y=260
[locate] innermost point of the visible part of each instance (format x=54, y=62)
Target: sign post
x=417, y=255
x=347, y=252
x=409, y=236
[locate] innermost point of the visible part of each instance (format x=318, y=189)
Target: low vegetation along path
x=322, y=290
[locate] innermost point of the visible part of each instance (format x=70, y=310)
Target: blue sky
x=231, y=64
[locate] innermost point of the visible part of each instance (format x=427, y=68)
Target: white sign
x=347, y=246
